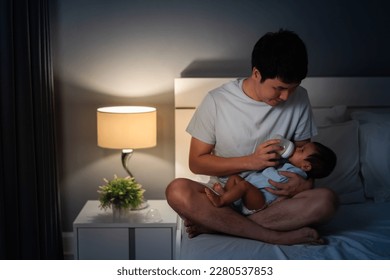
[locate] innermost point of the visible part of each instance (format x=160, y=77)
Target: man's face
x=274, y=91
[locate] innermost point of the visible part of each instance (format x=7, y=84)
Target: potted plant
x=120, y=194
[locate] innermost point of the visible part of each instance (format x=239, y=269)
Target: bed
x=353, y=117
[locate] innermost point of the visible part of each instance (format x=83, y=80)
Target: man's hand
x=265, y=155
x=293, y=186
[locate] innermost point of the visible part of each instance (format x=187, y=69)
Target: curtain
x=30, y=226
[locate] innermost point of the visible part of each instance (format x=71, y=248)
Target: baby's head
x=315, y=159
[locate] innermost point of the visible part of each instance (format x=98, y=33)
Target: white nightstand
x=99, y=236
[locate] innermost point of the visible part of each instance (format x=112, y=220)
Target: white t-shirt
x=237, y=124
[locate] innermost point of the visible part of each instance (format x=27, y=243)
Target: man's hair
x=280, y=55
x=323, y=161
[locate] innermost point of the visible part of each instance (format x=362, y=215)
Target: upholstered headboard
x=356, y=92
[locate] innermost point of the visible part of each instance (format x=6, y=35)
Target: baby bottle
x=288, y=146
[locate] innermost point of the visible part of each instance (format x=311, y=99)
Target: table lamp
x=126, y=128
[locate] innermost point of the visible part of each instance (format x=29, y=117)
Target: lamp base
x=126, y=155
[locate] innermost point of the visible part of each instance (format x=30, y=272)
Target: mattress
x=357, y=232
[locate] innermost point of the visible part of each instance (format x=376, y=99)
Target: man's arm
x=203, y=161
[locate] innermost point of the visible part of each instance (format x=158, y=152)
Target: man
x=229, y=136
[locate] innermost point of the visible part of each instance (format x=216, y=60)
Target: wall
x=128, y=53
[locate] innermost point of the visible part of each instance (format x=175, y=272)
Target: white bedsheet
x=357, y=232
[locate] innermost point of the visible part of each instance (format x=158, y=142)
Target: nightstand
x=98, y=235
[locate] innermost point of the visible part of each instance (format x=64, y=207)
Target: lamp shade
x=126, y=127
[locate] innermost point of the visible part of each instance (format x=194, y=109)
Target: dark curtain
x=30, y=225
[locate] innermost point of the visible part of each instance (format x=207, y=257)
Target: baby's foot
x=218, y=188
x=214, y=198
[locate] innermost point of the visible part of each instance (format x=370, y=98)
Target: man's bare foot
x=194, y=230
x=305, y=235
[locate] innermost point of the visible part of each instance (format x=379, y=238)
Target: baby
x=312, y=160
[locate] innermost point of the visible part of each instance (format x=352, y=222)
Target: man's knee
x=174, y=188
x=325, y=204
x=173, y=194
x=329, y=198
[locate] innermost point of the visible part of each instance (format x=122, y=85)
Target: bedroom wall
x=128, y=53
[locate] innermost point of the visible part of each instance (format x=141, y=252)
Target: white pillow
x=342, y=138
x=374, y=136
x=331, y=115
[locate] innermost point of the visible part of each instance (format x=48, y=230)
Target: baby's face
x=301, y=153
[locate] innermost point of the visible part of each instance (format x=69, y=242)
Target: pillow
x=345, y=180
x=374, y=136
x=332, y=115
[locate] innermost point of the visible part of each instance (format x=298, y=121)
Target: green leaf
x=123, y=192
